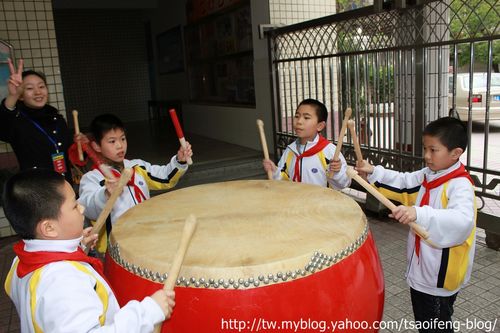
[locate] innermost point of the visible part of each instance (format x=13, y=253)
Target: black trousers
x=432, y=313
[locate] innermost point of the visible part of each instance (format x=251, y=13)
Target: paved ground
x=479, y=302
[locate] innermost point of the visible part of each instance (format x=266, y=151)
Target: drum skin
x=347, y=292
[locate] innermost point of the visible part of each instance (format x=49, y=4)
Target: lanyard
x=41, y=130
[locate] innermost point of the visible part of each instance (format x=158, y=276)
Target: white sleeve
x=396, y=179
x=92, y=194
x=162, y=171
x=452, y=225
x=340, y=179
x=277, y=175
x=67, y=302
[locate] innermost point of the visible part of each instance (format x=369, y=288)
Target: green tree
x=473, y=19
x=345, y=5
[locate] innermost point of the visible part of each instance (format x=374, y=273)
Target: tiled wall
x=294, y=11
x=29, y=27
x=104, y=67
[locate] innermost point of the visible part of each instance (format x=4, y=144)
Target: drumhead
x=247, y=231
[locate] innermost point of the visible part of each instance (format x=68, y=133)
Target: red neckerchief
x=138, y=194
x=31, y=261
x=322, y=143
x=459, y=172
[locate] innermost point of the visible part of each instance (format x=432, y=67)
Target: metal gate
x=398, y=69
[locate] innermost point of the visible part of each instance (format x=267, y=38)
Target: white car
x=478, y=102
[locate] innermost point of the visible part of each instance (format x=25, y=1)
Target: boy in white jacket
x=310, y=158
x=53, y=284
x=110, y=142
x=441, y=199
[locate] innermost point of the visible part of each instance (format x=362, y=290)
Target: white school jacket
x=450, y=219
x=314, y=169
x=147, y=176
x=62, y=298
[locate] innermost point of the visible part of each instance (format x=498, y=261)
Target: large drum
x=266, y=256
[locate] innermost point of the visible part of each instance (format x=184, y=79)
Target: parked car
x=478, y=100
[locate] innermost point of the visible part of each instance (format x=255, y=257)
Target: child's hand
x=15, y=84
x=404, y=214
x=166, y=301
x=269, y=165
x=111, y=185
x=362, y=174
x=184, y=153
x=335, y=166
x=89, y=240
x=80, y=137
x=364, y=166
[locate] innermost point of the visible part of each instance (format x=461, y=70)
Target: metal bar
x=469, y=114
x=487, y=114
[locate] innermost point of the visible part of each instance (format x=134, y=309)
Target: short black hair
x=32, y=72
x=450, y=131
x=104, y=123
x=321, y=110
x=32, y=196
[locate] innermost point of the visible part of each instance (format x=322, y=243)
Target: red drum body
x=267, y=256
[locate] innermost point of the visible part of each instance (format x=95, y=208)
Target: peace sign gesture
x=15, y=84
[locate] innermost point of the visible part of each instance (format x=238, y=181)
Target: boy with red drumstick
x=110, y=142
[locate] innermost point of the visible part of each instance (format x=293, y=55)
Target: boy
x=53, y=284
x=441, y=199
x=307, y=159
x=110, y=141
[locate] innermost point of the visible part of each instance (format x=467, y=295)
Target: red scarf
x=138, y=194
x=319, y=146
x=31, y=261
x=459, y=172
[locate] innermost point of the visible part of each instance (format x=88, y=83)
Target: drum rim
x=318, y=261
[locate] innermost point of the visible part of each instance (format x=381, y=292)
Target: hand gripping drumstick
x=101, y=219
x=347, y=115
x=178, y=130
x=357, y=148
x=260, y=125
x=386, y=202
x=187, y=233
x=77, y=131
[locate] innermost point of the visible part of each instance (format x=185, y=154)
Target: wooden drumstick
x=77, y=131
x=104, y=168
x=180, y=134
x=357, y=148
x=260, y=125
x=101, y=219
x=187, y=234
x=336, y=155
x=386, y=202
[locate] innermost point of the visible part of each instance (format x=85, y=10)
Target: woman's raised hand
x=15, y=84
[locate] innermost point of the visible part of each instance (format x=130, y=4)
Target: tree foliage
x=474, y=19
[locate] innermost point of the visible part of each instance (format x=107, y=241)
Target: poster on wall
x=5, y=53
x=170, y=55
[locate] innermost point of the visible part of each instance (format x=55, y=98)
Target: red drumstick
x=180, y=134
x=98, y=162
